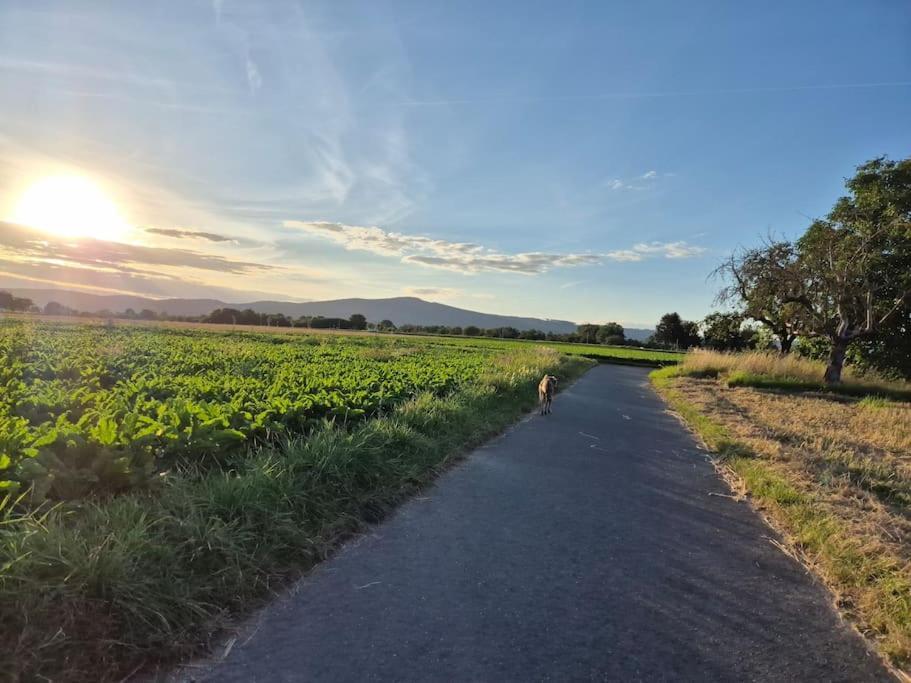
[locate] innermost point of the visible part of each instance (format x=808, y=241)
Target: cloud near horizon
x=468, y=257
x=443, y=293
x=23, y=243
x=179, y=233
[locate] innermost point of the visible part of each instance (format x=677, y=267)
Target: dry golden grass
x=832, y=474
x=773, y=370
x=707, y=363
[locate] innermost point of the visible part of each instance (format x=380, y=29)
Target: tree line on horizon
x=718, y=330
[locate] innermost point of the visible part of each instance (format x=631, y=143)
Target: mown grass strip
x=94, y=589
x=873, y=587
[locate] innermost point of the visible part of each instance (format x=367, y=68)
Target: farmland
x=599, y=352
x=90, y=408
x=164, y=480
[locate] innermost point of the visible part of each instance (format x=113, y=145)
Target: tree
x=588, y=334
x=852, y=279
x=691, y=337
x=754, y=278
x=386, y=326
x=612, y=332
x=54, y=308
x=358, y=322
x=671, y=330
x=471, y=331
x=724, y=332
x=8, y=302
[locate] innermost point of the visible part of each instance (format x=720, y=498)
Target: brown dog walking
x=547, y=387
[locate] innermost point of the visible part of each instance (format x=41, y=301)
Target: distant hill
x=400, y=310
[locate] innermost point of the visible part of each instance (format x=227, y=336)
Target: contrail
x=647, y=95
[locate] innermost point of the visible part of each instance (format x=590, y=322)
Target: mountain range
x=400, y=310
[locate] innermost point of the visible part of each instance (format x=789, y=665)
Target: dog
x=547, y=387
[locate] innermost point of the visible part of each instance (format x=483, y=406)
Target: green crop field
x=596, y=351
x=88, y=408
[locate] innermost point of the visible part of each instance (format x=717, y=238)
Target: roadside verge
x=869, y=577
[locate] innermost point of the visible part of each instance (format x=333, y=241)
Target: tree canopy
x=846, y=280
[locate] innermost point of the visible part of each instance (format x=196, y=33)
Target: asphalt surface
x=583, y=545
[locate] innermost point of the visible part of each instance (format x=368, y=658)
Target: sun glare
x=70, y=206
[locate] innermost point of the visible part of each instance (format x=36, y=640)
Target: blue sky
x=582, y=160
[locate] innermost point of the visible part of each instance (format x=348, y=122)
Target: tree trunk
x=836, y=360
x=785, y=341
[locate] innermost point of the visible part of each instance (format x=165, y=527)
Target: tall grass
x=769, y=370
x=91, y=591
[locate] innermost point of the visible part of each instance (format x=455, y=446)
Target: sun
x=70, y=206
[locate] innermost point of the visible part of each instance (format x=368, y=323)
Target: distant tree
x=724, y=332
x=358, y=322
x=8, y=302
x=471, y=331
x=386, y=326
x=129, y=313
x=612, y=331
x=223, y=316
x=147, y=314
x=672, y=331
x=55, y=308
x=321, y=323
x=588, y=334
x=615, y=340
x=691, y=337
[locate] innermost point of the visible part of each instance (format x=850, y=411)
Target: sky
x=589, y=161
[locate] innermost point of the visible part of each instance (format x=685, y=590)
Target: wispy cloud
x=469, y=257
x=461, y=257
x=644, y=250
x=26, y=245
x=438, y=292
x=190, y=234
x=445, y=293
x=80, y=71
x=639, y=182
x=254, y=78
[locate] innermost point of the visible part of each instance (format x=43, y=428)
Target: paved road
x=582, y=545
